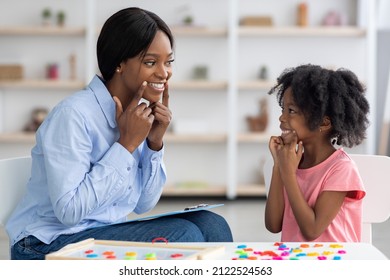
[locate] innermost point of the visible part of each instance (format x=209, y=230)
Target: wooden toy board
x=91, y=249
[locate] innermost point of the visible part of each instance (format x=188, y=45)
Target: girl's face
x=155, y=68
x=293, y=119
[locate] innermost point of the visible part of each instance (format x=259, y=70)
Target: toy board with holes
x=91, y=249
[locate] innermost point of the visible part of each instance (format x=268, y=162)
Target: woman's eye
x=150, y=63
x=169, y=62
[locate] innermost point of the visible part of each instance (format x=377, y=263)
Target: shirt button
x=114, y=204
x=128, y=168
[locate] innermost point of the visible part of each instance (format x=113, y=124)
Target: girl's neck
x=314, y=155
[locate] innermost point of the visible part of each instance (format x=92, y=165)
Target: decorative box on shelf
x=11, y=72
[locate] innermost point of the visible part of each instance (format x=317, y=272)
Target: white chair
x=373, y=169
x=14, y=175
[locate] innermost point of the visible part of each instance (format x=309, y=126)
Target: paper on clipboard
x=186, y=210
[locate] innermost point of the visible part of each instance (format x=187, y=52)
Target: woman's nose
x=163, y=72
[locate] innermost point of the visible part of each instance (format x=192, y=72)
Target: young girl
x=99, y=153
x=316, y=191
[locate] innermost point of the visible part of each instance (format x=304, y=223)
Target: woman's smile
x=157, y=86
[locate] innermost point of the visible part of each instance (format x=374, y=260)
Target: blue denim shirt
x=81, y=177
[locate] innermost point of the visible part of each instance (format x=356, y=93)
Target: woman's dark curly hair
x=320, y=92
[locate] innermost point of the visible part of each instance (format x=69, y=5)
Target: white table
x=221, y=251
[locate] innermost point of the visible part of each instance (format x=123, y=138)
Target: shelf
x=42, y=31
x=25, y=137
x=251, y=190
x=346, y=31
x=199, y=31
x=195, y=138
x=193, y=31
x=17, y=138
x=250, y=137
x=42, y=84
x=255, y=85
x=199, y=85
x=253, y=137
x=243, y=191
x=343, y=31
x=194, y=191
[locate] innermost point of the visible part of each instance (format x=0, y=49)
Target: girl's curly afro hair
x=321, y=92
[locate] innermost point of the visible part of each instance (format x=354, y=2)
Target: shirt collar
x=104, y=99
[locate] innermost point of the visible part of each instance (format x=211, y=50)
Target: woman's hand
x=135, y=122
x=162, y=119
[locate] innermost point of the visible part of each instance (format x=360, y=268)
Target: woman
x=99, y=153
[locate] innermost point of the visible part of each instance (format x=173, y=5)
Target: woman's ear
x=326, y=124
x=119, y=68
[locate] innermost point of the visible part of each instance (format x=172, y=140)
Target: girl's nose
x=281, y=118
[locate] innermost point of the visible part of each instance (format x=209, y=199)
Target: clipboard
x=171, y=213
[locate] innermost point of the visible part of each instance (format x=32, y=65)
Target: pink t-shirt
x=336, y=173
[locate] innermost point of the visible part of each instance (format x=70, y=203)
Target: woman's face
x=155, y=68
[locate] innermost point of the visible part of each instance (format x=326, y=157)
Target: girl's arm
x=274, y=207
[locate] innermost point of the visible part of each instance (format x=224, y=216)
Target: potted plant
x=188, y=20
x=61, y=18
x=46, y=16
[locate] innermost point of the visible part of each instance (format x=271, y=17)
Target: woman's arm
x=152, y=175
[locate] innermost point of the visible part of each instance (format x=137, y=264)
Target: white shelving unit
x=223, y=159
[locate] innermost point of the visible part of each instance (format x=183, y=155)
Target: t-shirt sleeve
x=344, y=176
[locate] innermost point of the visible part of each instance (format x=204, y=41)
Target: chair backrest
x=14, y=175
x=374, y=171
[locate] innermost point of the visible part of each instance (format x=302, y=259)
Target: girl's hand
x=275, y=143
x=135, y=122
x=289, y=155
x=162, y=119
